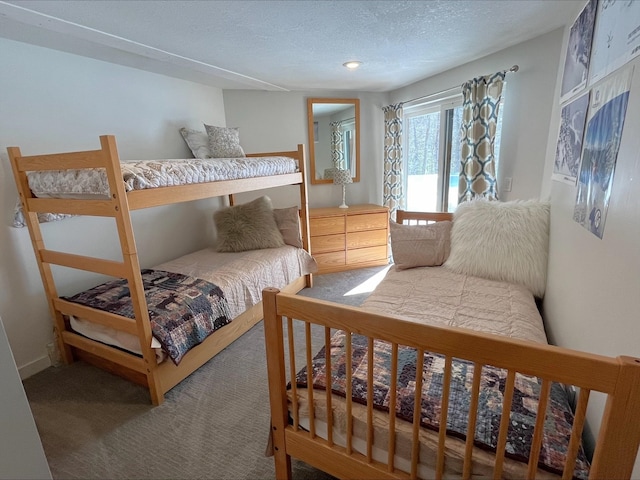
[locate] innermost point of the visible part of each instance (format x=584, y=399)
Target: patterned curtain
x=482, y=98
x=392, y=180
x=337, y=152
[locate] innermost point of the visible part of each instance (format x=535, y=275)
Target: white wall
x=278, y=120
x=21, y=453
x=527, y=106
x=592, y=300
x=52, y=101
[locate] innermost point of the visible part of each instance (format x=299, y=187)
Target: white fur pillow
x=506, y=241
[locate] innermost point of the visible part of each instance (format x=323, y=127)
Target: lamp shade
x=342, y=176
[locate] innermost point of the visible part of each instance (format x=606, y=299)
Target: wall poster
x=607, y=110
x=569, y=148
x=576, y=61
x=616, y=38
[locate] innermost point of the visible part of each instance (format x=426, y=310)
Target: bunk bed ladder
x=129, y=269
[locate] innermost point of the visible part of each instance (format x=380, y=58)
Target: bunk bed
x=121, y=188
x=406, y=350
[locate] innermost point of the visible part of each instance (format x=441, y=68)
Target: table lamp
x=342, y=177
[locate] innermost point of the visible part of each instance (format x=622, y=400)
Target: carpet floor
x=213, y=425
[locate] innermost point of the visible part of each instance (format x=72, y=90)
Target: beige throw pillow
x=198, y=142
x=288, y=221
x=250, y=226
x=224, y=142
x=420, y=245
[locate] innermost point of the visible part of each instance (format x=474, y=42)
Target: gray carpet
x=213, y=425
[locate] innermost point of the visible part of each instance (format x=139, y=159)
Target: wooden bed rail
x=405, y=216
x=618, y=378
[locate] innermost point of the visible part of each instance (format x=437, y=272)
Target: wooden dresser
x=347, y=238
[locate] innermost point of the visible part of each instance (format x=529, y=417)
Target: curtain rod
x=513, y=69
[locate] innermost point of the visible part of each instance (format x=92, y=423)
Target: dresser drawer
x=370, y=221
x=368, y=254
x=326, y=225
x=331, y=259
x=368, y=238
x=327, y=243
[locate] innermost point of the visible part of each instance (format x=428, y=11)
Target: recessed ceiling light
x=352, y=65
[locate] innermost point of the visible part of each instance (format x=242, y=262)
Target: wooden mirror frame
x=310, y=124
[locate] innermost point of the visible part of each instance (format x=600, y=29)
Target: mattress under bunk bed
x=440, y=348
x=97, y=183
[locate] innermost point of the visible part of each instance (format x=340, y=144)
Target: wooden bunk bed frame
x=159, y=378
x=619, y=378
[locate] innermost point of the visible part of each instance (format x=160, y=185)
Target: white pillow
x=505, y=241
x=197, y=141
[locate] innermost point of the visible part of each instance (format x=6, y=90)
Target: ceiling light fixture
x=352, y=65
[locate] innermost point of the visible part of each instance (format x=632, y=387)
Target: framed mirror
x=334, y=137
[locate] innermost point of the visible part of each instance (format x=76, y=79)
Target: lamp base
x=344, y=197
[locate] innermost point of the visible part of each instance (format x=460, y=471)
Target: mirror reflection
x=334, y=137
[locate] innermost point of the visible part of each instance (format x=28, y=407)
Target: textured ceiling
x=285, y=45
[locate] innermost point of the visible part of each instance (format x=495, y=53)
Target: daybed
x=114, y=189
x=440, y=348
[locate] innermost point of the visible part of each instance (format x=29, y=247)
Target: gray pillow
x=224, y=142
x=288, y=222
x=198, y=142
x=250, y=226
x=420, y=245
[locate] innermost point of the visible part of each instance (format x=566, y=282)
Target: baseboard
x=34, y=367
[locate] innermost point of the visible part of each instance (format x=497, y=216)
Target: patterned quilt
x=183, y=310
x=525, y=400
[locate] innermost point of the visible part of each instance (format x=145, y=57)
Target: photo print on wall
x=576, y=63
x=607, y=110
x=569, y=148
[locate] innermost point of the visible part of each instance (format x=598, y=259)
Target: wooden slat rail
x=63, y=161
x=473, y=416
x=538, y=430
x=618, y=378
x=327, y=344
x=82, y=262
x=101, y=317
x=404, y=216
x=586, y=370
x=95, y=208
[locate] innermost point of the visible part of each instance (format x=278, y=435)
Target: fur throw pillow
x=505, y=241
x=250, y=226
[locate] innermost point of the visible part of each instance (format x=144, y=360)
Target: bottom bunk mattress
x=240, y=277
x=436, y=296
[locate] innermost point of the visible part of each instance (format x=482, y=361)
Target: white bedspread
x=143, y=174
x=437, y=296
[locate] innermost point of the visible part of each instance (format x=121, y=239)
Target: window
x=431, y=152
x=348, y=143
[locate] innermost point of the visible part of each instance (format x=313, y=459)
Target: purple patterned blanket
x=183, y=310
x=558, y=422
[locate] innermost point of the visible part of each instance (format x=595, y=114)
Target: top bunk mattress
x=144, y=174
x=439, y=297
